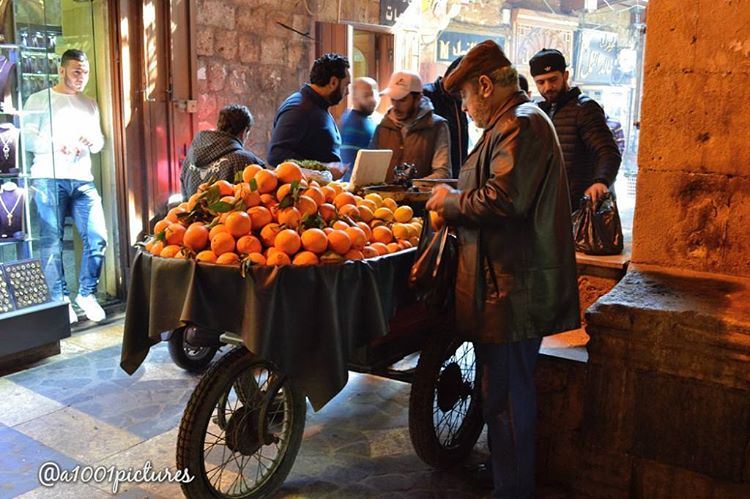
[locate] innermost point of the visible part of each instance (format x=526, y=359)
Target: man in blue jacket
x=303, y=128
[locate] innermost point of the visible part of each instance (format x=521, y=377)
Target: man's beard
x=482, y=113
x=336, y=96
x=552, y=96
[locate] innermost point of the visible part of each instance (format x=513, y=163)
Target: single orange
x=287, y=241
x=277, y=258
x=228, y=259
x=327, y=230
x=316, y=195
x=196, y=237
x=225, y=188
x=354, y=254
x=161, y=225
x=268, y=200
x=283, y=191
x=256, y=259
x=381, y=248
x=382, y=234
x=260, y=216
x=400, y=231
x=221, y=243
x=289, y=172
x=340, y=225
x=307, y=206
x=249, y=244
x=268, y=234
x=327, y=212
x=289, y=216
x=183, y=205
x=172, y=214
x=369, y=252
x=239, y=223
x=174, y=233
x=365, y=213
x=343, y=199
x=249, y=172
x=405, y=244
x=228, y=200
x=376, y=223
x=315, y=240
x=351, y=211
x=305, y=258
x=329, y=193
x=157, y=247
x=384, y=213
x=216, y=229
x=331, y=257
x=357, y=236
x=366, y=229
x=339, y=241
x=393, y=247
x=193, y=201
x=207, y=256
x=266, y=181
x=170, y=251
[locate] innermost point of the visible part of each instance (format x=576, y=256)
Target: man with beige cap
x=516, y=279
x=412, y=131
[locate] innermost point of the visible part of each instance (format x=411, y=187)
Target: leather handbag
x=433, y=275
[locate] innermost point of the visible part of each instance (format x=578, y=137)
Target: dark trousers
x=509, y=409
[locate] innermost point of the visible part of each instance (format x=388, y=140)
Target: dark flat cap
x=483, y=58
x=546, y=61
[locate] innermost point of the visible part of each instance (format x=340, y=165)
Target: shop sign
x=390, y=10
x=453, y=44
x=597, y=56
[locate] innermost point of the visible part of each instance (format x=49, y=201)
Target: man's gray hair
x=507, y=76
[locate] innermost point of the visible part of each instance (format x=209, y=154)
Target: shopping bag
x=433, y=275
x=597, y=229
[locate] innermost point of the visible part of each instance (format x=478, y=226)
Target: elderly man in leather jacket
x=516, y=278
x=592, y=157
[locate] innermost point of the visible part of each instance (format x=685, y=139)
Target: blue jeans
x=55, y=199
x=509, y=409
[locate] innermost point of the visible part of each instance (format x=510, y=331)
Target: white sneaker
x=72, y=315
x=91, y=307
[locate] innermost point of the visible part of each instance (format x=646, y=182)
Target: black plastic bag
x=433, y=275
x=597, y=230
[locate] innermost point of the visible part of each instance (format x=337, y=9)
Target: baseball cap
x=402, y=84
x=483, y=58
x=546, y=61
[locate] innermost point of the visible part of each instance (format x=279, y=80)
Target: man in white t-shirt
x=62, y=130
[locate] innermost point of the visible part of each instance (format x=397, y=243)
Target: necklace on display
x=9, y=213
x=6, y=141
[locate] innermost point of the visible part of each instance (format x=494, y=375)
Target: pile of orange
x=277, y=217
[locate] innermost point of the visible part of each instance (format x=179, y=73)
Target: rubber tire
x=177, y=352
x=199, y=410
x=421, y=400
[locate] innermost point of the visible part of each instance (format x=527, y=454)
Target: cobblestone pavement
x=79, y=407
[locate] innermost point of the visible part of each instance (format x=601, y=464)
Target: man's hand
x=337, y=169
x=596, y=191
x=437, y=200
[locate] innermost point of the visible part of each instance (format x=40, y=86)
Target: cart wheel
x=240, y=443
x=190, y=358
x=445, y=415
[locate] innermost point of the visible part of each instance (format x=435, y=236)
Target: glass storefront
x=56, y=156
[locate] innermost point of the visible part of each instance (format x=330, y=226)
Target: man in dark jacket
x=219, y=154
x=449, y=107
x=412, y=130
x=516, y=278
x=591, y=154
x=303, y=128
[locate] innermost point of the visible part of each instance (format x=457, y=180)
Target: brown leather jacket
x=517, y=272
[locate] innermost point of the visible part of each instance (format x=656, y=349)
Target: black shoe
x=481, y=475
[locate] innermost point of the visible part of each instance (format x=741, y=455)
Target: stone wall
x=246, y=57
x=693, y=202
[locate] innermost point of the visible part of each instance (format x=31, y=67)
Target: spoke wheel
x=445, y=417
x=242, y=429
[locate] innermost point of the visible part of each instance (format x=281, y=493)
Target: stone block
x=656, y=480
x=216, y=13
x=207, y=107
x=670, y=25
x=723, y=46
x=705, y=215
x=238, y=80
x=251, y=21
x=217, y=75
x=249, y=48
x=273, y=50
x=204, y=41
x=225, y=44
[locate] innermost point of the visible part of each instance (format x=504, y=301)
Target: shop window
x=56, y=161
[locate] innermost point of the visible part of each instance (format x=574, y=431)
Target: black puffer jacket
x=214, y=155
x=590, y=151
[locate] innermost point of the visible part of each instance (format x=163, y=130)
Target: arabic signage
x=597, y=56
x=390, y=10
x=452, y=44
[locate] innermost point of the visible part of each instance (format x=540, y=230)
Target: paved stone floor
x=79, y=407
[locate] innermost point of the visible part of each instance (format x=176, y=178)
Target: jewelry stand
x=8, y=148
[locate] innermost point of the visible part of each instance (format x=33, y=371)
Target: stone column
x=668, y=399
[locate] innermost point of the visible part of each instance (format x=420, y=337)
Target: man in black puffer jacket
x=592, y=157
x=219, y=154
